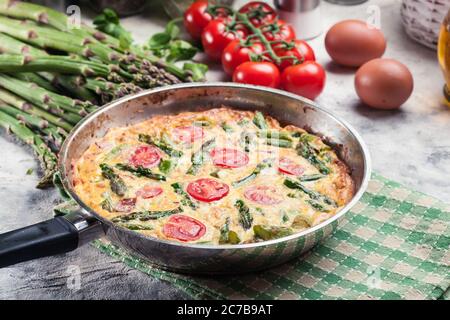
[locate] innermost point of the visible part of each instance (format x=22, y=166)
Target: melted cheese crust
x=294, y=211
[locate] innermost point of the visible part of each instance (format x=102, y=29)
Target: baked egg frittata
x=220, y=176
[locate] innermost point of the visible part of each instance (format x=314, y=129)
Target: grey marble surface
x=411, y=145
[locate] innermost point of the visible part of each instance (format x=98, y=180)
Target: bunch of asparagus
x=53, y=73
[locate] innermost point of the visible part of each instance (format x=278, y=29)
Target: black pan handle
x=54, y=236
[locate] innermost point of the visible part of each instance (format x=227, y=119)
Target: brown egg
x=353, y=42
x=384, y=83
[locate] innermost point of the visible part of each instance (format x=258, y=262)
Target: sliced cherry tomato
x=265, y=195
x=235, y=54
x=298, y=49
x=145, y=156
x=288, y=166
x=285, y=32
x=259, y=13
x=196, y=18
x=258, y=73
x=306, y=79
x=148, y=192
x=126, y=205
x=207, y=190
x=183, y=228
x=218, y=34
x=228, y=158
x=188, y=134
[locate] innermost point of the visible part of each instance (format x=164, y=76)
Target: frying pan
x=63, y=234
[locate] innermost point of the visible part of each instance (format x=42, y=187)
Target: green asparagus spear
x=274, y=134
x=227, y=235
x=198, y=157
x=186, y=199
x=279, y=143
x=54, y=134
x=245, y=217
x=270, y=232
x=54, y=63
x=27, y=107
x=47, y=158
x=34, y=78
x=226, y=127
x=267, y=163
x=164, y=146
x=107, y=203
x=305, y=150
x=311, y=177
x=146, y=215
x=140, y=171
x=134, y=226
x=259, y=121
x=117, y=184
x=55, y=103
x=312, y=194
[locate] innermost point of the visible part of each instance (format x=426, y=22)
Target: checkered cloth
x=394, y=244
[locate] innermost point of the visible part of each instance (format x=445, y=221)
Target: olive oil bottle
x=444, y=55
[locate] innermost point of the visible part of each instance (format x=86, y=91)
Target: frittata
x=220, y=176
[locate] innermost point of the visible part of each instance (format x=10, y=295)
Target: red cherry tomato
x=234, y=54
x=228, y=158
x=306, y=79
x=258, y=73
x=196, y=18
x=300, y=50
x=207, y=190
x=217, y=35
x=183, y=228
x=288, y=166
x=148, y=192
x=145, y=156
x=285, y=32
x=126, y=205
x=259, y=13
x=188, y=134
x=265, y=195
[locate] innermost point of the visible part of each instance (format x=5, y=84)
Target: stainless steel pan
x=63, y=234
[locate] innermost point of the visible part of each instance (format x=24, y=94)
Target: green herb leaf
x=198, y=70
x=172, y=29
x=159, y=39
x=181, y=50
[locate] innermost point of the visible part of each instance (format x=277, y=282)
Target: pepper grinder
x=303, y=15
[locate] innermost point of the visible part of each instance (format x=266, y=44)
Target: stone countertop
x=411, y=145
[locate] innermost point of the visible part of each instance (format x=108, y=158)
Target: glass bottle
x=444, y=55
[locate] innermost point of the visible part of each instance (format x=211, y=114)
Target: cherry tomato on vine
x=235, y=54
x=285, y=32
x=218, y=34
x=258, y=73
x=259, y=13
x=296, y=48
x=196, y=18
x=306, y=79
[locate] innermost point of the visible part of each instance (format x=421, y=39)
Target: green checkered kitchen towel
x=394, y=244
